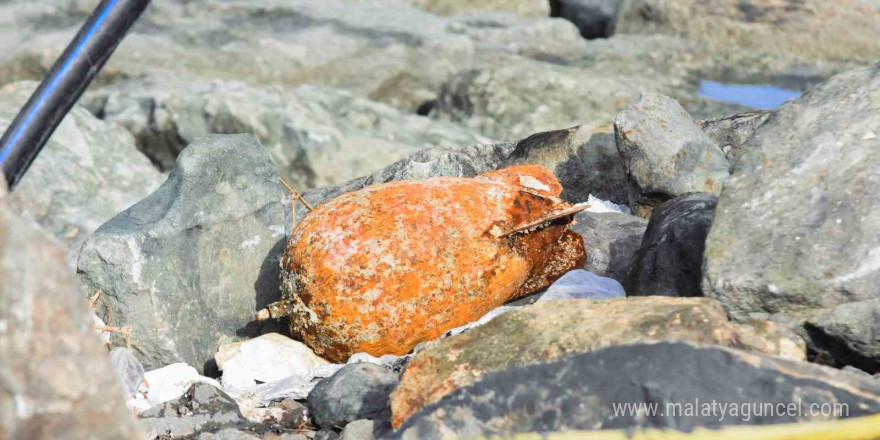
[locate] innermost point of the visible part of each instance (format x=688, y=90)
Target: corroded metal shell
x=382, y=269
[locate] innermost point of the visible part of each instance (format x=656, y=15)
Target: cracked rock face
x=187, y=266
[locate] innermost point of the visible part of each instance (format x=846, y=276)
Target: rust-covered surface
x=382, y=269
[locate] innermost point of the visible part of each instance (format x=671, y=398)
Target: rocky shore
x=727, y=254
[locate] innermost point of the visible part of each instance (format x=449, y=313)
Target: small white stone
x=268, y=358
x=170, y=382
x=869, y=136
x=599, y=205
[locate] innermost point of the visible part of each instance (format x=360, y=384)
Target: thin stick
x=126, y=332
x=94, y=299
x=297, y=195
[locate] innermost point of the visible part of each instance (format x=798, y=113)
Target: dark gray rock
x=294, y=414
x=731, y=132
x=128, y=370
x=611, y=240
x=55, y=381
x=665, y=153
x=581, y=391
x=670, y=259
x=583, y=158
x=87, y=172
x=188, y=266
x=847, y=335
x=593, y=18
x=796, y=225
x=357, y=391
x=202, y=407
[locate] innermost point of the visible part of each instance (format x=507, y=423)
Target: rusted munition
x=382, y=269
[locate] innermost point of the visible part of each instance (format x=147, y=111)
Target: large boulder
x=665, y=153
x=318, y=136
x=88, y=171
x=189, y=265
x=611, y=240
x=670, y=259
x=57, y=381
x=796, y=225
x=551, y=330
x=665, y=385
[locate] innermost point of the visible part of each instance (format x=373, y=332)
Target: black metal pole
x=64, y=84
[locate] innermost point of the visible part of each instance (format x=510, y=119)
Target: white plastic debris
x=484, y=319
x=170, y=382
x=128, y=370
x=97, y=322
x=599, y=205
x=268, y=358
x=582, y=284
x=138, y=405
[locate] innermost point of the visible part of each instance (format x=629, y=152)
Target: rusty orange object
x=384, y=268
